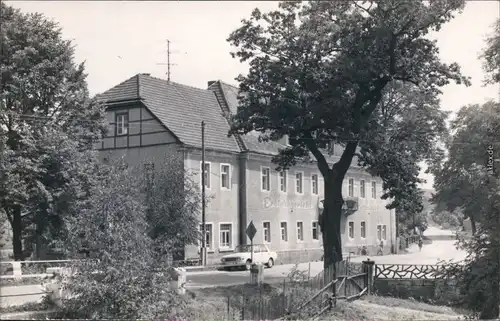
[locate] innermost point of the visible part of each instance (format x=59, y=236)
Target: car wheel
x=270, y=262
x=248, y=265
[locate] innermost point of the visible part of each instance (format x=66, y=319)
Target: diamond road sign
x=251, y=230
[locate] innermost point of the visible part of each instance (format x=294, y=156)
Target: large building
x=151, y=118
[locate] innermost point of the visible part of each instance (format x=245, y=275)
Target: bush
x=120, y=245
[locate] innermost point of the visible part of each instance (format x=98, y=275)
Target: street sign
x=251, y=230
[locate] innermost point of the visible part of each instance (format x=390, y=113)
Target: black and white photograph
x=250, y=160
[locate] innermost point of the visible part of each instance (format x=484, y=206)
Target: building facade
x=152, y=120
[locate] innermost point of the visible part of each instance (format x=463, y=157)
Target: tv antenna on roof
x=169, y=64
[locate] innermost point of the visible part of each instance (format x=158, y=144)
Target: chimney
x=284, y=140
x=211, y=82
x=146, y=74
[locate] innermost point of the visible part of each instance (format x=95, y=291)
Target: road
x=430, y=254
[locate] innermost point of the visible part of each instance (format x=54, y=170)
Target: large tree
x=49, y=125
x=318, y=73
x=469, y=182
x=476, y=131
x=124, y=235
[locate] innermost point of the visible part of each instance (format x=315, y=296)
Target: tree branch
x=341, y=167
x=392, y=58
x=320, y=158
x=406, y=79
x=363, y=9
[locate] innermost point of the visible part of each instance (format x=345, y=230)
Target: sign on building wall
x=284, y=203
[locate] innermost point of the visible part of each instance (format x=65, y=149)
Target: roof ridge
x=227, y=84
x=189, y=86
x=173, y=82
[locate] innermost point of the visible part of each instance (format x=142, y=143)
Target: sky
x=118, y=39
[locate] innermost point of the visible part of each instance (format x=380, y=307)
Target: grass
x=366, y=308
x=221, y=303
x=413, y=305
x=28, y=307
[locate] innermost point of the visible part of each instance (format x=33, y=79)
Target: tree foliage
x=319, y=73
x=121, y=247
x=173, y=205
x=469, y=182
x=49, y=124
x=475, y=139
x=410, y=216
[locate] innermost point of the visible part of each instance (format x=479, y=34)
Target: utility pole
x=203, y=251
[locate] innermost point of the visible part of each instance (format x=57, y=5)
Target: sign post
x=250, y=231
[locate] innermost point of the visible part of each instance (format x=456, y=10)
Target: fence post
x=17, y=270
x=368, y=269
x=242, y=307
x=228, y=308
x=284, y=298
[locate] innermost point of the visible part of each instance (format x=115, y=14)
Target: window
x=351, y=230
x=266, y=229
x=374, y=190
x=363, y=230
x=121, y=124
x=300, y=231
x=315, y=234
x=226, y=239
x=384, y=232
x=206, y=173
x=351, y=187
x=379, y=232
x=362, y=188
x=284, y=231
x=266, y=182
x=299, y=182
x=314, y=184
x=208, y=235
x=283, y=181
x=225, y=176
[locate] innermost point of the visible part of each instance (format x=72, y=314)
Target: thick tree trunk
x=331, y=222
x=17, y=229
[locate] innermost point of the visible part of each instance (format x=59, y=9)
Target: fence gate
x=350, y=282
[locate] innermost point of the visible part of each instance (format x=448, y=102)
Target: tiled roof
x=251, y=139
x=180, y=108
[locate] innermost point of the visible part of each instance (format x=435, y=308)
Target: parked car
x=242, y=257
